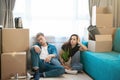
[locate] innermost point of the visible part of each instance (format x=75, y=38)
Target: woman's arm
x=82, y=47
x=62, y=61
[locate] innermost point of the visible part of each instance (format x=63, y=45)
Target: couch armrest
x=85, y=43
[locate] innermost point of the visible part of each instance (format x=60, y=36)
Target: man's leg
x=35, y=63
x=53, y=70
x=55, y=61
x=34, y=59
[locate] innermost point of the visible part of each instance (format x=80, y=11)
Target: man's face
x=41, y=39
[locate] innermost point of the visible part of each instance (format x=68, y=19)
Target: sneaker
x=29, y=76
x=71, y=71
x=36, y=76
x=16, y=77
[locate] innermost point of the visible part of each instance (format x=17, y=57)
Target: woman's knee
x=77, y=66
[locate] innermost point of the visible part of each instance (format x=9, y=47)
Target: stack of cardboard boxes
x=102, y=17
x=15, y=43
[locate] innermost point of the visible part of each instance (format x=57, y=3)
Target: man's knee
x=35, y=68
x=32, y=50
x=61, y=70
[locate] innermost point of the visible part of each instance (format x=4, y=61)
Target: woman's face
x=73, y=40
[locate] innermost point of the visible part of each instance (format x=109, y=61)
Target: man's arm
x=52, y=53
x=36, y=47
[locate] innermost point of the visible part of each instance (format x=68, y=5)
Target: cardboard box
x=15, y=40
x=103, y=43
x=13, y=63
x=102, y=16
x=105, y=20
x=107, y=31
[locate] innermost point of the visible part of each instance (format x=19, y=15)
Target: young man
x=44, y=61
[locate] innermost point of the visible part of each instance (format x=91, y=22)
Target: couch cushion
x=116, y=43
x=102, y=66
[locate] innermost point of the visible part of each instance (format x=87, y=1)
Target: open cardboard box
x=103, y=43
x=107, y=31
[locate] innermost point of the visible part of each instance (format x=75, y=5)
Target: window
x=54, y=17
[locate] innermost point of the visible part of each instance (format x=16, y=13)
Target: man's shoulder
x=51, y=45
x=37, y=43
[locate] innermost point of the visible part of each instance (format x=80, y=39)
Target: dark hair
x=68, y=45
x=39, y=34
x=73, y=35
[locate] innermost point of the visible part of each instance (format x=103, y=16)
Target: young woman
x=70, y=54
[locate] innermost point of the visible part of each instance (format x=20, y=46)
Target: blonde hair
x=39, y=34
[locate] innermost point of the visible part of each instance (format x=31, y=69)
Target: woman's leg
x=75, y=62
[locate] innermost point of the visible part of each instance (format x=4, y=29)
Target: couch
x=103, y=65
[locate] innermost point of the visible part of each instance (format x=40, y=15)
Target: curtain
x=6, y=13
x=107, y=3
x=116, y=12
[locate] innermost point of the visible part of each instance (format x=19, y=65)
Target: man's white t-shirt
x=44, y=52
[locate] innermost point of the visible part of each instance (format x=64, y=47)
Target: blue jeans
x=52, y=69
x=75, y=62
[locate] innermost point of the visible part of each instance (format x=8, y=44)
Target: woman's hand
x=82, y=47
x=67, y=67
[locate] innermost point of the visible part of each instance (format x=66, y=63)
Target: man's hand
x=48, y=58
x=37, y=49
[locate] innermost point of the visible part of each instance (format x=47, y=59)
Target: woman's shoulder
x=65, y=43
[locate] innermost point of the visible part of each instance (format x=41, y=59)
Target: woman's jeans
x=75, y=62
x=52, y=69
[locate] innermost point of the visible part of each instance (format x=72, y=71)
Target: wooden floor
x=80, y=76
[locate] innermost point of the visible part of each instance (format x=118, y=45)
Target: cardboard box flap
x=106, y=31
x=103, y=37
x=103, y=10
